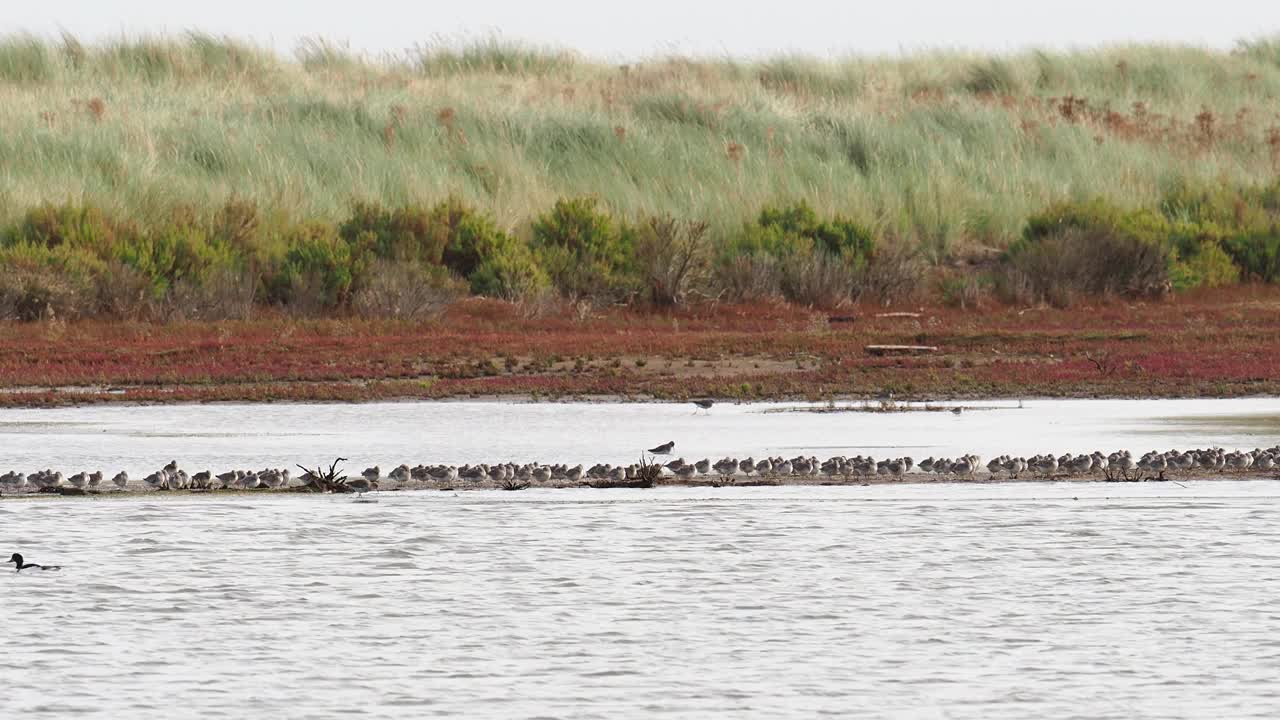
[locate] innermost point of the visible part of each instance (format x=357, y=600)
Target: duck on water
x=17, y=560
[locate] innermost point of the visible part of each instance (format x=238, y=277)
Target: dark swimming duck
x=17, y=560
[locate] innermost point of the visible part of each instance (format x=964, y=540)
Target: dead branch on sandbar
x=513, y=483
x=325, y=481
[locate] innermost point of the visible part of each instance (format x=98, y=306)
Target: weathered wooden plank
x=901, y=349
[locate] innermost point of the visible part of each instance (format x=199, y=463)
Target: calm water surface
x=941, y=600
x=1068, y=600
x=225, y=436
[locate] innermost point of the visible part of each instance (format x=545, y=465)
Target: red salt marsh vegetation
x=1220, y=343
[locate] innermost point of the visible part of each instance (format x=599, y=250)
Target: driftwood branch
x=513, y=483
x=1105, y=364
x=320, y=480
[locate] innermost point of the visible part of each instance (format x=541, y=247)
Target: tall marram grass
x=947, y=150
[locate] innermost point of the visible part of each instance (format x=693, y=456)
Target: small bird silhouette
x=664, y=449
x=16, y=559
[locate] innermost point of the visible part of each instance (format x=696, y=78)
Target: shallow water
x=936, y=600
x=226, y=436
x=958, y=601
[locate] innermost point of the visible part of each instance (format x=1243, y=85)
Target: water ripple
x=994, y=602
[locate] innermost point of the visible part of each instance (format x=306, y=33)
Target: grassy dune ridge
x=946, y=153
x=947, y=148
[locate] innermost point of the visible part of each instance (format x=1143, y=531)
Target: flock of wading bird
x=1118, y=466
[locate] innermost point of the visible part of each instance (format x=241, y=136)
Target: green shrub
x=80, y=263
x=1256, y=254
x=1211, y=266
x=493, y=262
x=78, y=226
x=238, y=224
x=817, y=262
x=1198, y=257
x=772, y=242
x=181, y=250
x=1241, y=223
x=509, y=272
x=319, y=270
x=470, y=236
x=82, y=239
x=584, y=251
x=1147, y=226
x=406, y=234
x=781, y=231
x=58, y=261
x=448, y=235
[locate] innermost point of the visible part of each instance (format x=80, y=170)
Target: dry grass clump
x=817, y=280
x=1076, y=262
x=748, y=278
x=227, y=294
x=308, y=296
x=894, y=274
x=405, y=292
x=675, y=258
x=40, y=294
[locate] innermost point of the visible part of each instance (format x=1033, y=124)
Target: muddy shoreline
x=1220, y=343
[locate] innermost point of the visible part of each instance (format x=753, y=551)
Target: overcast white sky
x=644, y=27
